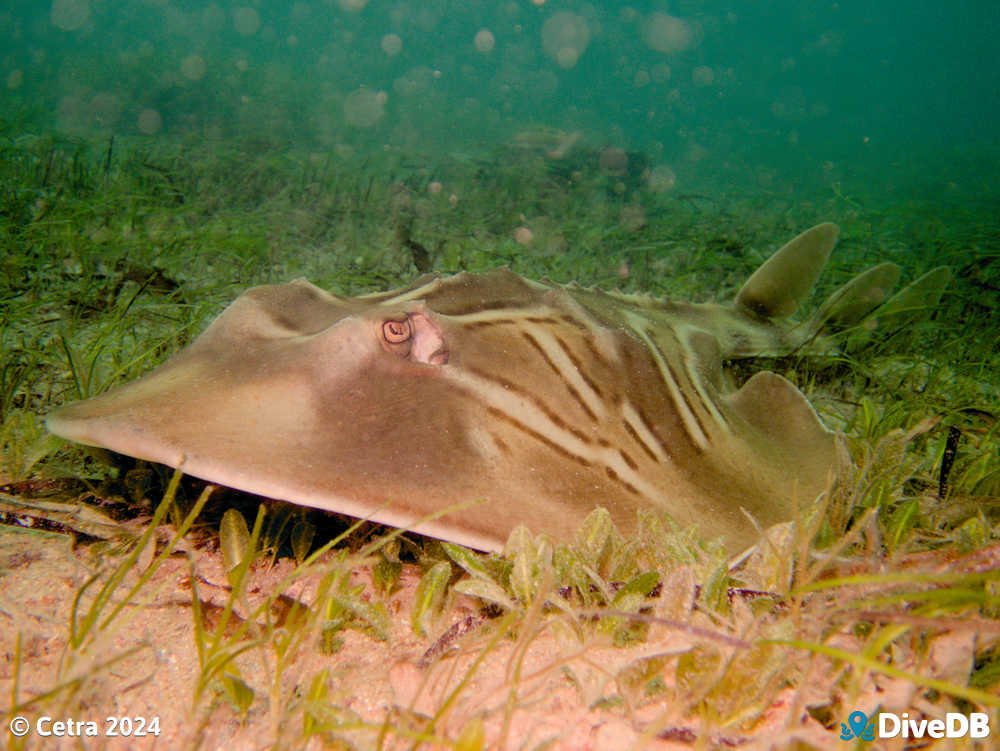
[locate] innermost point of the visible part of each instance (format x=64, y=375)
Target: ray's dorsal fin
x=852, y=302
x=779, y=286
x=917, y=299
x=900, y=315
x=862, y=306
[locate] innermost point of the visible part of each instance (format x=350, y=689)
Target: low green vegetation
x=117, y=253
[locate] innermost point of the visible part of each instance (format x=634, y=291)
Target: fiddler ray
x=543, y=401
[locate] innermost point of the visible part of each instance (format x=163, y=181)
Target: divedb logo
x=891, y=725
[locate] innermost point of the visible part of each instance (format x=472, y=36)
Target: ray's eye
x=417, y=338
x=398, y=336
x=397, y=332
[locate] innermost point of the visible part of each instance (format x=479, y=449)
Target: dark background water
x=758, y=93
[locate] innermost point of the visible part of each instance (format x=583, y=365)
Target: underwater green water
x=889, y=98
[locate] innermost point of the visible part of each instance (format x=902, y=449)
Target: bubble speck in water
x=703, y=76
x=668, y=34
x=149, y=121
x=105, y=108
x=246, y=21
x=567, y=57
x=193, y=67
x=565, y=36
x=364, y=107
x=484, y=41
x=413, y=82
x=662, y=179
x=70, y=15
x=392, y=44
